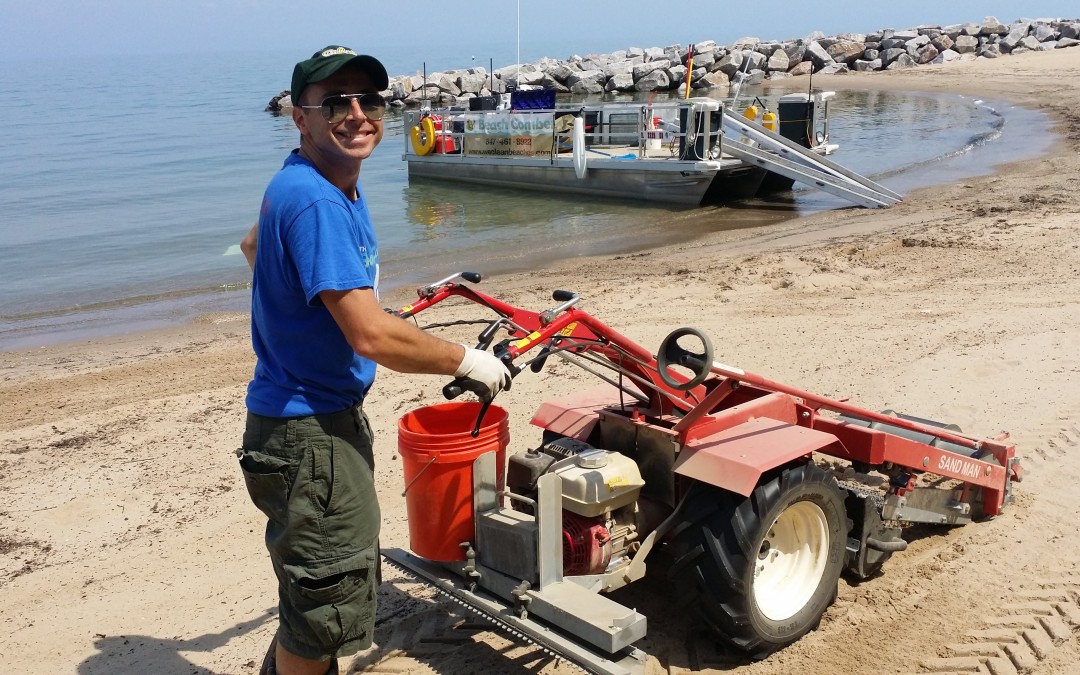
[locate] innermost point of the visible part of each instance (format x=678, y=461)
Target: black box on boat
x=796, y=115
x=483, y=103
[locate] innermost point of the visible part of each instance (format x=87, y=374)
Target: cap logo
x=336, y=52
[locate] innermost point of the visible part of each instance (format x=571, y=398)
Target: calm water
x=127, y=186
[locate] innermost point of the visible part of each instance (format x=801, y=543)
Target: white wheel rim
x=791, y=561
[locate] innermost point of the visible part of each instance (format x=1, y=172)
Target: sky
x=412, y=30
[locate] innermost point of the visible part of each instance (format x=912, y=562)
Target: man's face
x=350, y=140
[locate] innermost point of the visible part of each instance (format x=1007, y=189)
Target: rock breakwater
x=712, y=66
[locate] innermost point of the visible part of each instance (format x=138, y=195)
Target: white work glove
x=485, y=368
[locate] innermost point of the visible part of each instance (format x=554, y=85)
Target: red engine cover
x=586, y=545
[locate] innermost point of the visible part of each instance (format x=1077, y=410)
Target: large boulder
x=471, y=83
x=991, y=26
x=890, y=55
x=1029, y=42
x=561, y=72
x=966, y=44
x=549, y=82
x=620, y=82
x=280, y=102
x=816, y=55
x=583, y=82
x=1009, y=42
x=729, y=64
x=801, y=68
x=778, y=62
x=714, y=80
x=796, y=51
x=619, y=68
x=901, y=62
x=400, y=87
x=1045, y=32
x=644, y=69
x=657, y=80
x=946, y=56
x=1070, y=31
x=925, y=55
x=704, y=59
x=913, y=45
x=845, y=51
x=942, y=42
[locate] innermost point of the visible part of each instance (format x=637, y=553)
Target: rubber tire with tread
x=715, y=550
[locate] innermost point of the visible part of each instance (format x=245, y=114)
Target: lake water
x=128, y=184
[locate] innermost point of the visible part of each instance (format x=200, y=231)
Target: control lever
x=471, y=277
x=483, y=341
x=538, y=363
x=568, y=300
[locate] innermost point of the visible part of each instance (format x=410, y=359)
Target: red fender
x=734, y=459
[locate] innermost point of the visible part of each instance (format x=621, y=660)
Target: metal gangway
x=787, y=158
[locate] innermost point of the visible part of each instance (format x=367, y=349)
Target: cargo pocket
x=267, y=483
x=334, y=606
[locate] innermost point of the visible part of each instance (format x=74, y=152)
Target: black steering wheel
x=671, y=353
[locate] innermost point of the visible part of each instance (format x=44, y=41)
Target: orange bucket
x=437, y=453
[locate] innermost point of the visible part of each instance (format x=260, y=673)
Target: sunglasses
x=336, y=108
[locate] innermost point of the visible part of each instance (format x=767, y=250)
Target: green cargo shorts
x=313, y=477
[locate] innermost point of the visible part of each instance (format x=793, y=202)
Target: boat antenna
x=742, y=78
x=423, y=96
x=519, y=43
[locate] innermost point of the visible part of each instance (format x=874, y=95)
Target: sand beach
x=128, y=543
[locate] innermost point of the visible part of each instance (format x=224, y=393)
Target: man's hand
x=484, y=368
x=249, y=244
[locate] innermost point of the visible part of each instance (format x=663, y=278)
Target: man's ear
x=298, y=118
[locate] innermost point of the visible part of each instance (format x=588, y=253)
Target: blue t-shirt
x=312, y=238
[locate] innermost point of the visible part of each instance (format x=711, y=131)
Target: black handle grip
x=487, y=335
x=454, y=388
x=562, y=296
x=693, y=362
x=471, y=277
x=538, y=364
x=460, y=385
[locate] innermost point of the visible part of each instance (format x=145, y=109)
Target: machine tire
x=754, y=600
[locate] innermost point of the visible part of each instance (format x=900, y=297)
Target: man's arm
x=401, y=346
x=248, y=245
x=387, y=339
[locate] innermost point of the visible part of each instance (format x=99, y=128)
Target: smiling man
x=318, y=331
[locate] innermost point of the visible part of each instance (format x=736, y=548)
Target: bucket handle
x=417, y=476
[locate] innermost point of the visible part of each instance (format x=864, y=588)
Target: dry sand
x=128, y=544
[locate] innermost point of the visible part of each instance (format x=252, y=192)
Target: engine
x=599, y=494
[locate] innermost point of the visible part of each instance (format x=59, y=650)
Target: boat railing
x=687, y=129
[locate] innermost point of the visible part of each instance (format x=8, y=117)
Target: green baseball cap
x=328, y=61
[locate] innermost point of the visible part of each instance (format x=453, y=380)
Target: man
x=318, y=331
